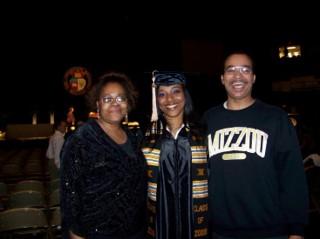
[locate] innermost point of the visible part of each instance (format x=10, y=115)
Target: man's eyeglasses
x=246, y=70
x=109, y=99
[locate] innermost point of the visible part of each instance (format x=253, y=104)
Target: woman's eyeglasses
x=109, y=99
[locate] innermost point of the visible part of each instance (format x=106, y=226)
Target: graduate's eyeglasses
x=109, y=99
x=246, y=70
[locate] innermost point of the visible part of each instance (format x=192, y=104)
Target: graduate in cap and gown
x=176, y=155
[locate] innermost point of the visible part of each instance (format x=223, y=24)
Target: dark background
x=40, y=43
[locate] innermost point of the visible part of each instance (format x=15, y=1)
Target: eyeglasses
x=246, y=70
x=109, y=99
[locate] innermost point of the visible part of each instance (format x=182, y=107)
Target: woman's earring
x=98, y=113
x=126, y=119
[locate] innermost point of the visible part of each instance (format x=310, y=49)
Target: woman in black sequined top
x=103, y=172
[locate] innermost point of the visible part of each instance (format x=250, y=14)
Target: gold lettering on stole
x=200, y=172
x=200, y=220
x=200, y=208
x=200, y=232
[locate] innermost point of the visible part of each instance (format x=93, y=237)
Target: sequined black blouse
x=103, y=190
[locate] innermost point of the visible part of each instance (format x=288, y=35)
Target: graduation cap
x=164, y=78
x=168, y=78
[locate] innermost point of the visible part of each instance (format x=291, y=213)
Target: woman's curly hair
x=113, y=77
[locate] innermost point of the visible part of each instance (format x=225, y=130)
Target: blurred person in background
x=56, y=142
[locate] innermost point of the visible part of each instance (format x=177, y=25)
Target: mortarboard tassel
x=154, y=116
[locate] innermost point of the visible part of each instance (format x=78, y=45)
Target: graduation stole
x=199, y=188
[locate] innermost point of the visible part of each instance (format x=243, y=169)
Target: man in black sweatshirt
x=257, y=185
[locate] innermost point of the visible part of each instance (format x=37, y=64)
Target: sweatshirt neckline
x=224, y=106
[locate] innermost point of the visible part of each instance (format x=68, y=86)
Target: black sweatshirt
x=257, y=184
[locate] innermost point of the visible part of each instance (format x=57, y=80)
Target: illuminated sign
x=77, y=80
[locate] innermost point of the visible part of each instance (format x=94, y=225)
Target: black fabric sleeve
x=70, y=193
x=291, y=176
